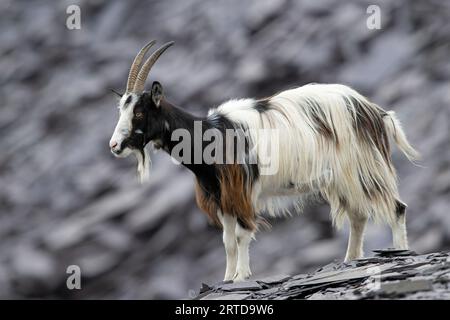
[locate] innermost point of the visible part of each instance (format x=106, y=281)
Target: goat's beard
x=143, y=164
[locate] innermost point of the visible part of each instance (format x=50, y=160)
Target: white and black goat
x=333, y=142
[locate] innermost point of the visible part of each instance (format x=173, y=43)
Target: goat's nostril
x=112, y=144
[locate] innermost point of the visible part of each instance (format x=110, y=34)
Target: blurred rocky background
x=65, y=200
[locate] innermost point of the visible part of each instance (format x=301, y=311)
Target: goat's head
x=138, y=111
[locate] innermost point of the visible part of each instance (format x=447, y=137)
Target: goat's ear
x=157, y=93
x=118, y=94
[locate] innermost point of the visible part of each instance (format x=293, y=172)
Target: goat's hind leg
x=399, y=234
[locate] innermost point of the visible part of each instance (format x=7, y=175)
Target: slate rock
x=392, y=277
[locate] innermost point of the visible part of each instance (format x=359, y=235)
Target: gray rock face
x=64, y=199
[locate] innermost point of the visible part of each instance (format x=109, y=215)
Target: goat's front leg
x=230, y=243
x=244, y=237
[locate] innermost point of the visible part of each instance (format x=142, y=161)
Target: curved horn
x=143, y=73
x=136, y=64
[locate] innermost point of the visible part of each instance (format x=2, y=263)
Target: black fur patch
x=320, y=124
x=262, y=106
x=400, y=208
x=215, y=181
x=242, y=224
x=370, y=128
x=222, y=123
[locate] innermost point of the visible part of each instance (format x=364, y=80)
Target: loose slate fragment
x=274, y=279
x=246, y=285
x=323, y=296
x=394, y=252
x=364, y=261
x=267, y=292
x=219, y=285
x=394, y=276
x=205, y=288
x=406, y=286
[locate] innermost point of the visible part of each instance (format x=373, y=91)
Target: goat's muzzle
x=119, y=149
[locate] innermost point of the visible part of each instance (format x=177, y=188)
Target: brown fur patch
x=235, y=195
x=207, y=204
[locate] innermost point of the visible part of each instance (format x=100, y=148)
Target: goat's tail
x=394, y=129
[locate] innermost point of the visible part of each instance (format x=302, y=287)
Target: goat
x=334, y=143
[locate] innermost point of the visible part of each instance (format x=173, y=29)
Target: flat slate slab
x=239, y=286
x=391, y=274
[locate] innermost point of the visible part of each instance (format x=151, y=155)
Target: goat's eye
x=139, y=115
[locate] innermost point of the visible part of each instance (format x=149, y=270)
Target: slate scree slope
x=330, y=140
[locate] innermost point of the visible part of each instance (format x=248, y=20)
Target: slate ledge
x=389, y=274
